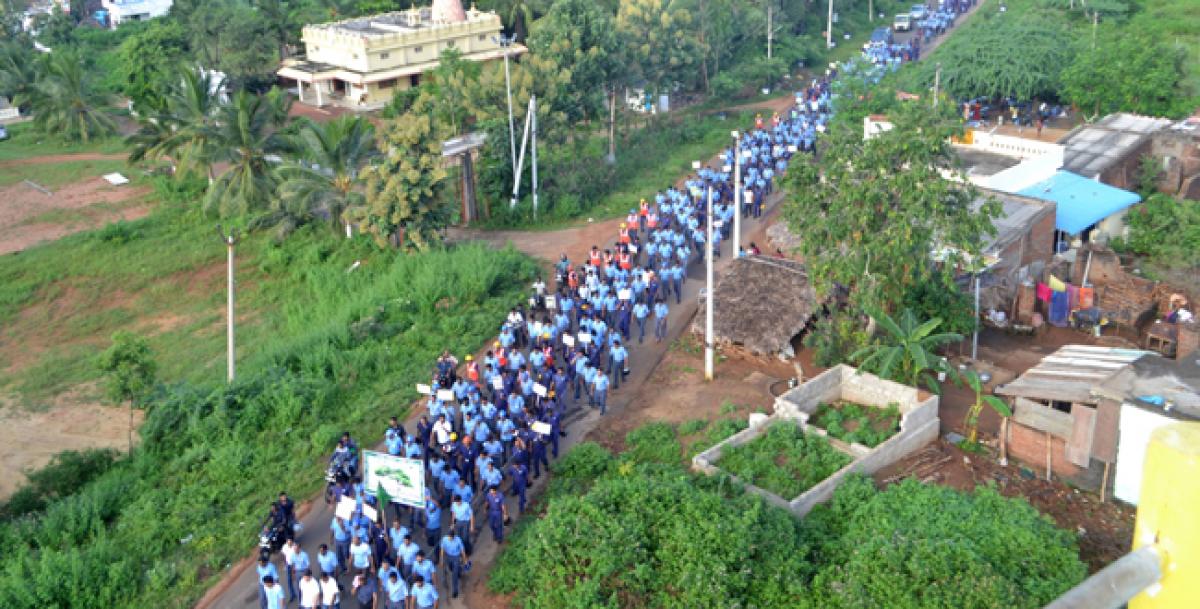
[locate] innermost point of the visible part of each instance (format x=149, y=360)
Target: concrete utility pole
x=230, y=240
x=737, y=192
x=709, y=293
x=521, y=159
x=534, y=182
x=829, y=27
x=506, y=42
x=870, y=10
x=770, y=26
x=937, y=82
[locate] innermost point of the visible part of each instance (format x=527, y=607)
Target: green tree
x=64, y=101
x=1006, y=55
x=129, y=370
x=149, y=61
x=663, y=47
x=580, y=36
x=1127, y=72
x=906, y=352
x=184, y=126
x=403, y=206
x=247, y=136
x=19, y=68
x=324, y=180
x=870, y=212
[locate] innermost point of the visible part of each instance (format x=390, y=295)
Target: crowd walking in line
x=572, y=344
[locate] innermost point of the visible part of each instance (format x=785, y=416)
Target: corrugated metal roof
x=1070, y=374
x=1090, y=149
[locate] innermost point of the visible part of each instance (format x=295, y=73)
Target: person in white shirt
x=442, y=430
x=310, y=591
x=331, y=595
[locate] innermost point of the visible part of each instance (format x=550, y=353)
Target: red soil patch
x=94, y=201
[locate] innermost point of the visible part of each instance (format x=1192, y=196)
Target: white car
x=918, y=12
x=3, y=133
x=903, y=23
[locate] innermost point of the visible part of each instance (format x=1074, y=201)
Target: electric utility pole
x=737, y=193
x=829, y=27
x=230, y=240
x=506, y=42
x=709, y=292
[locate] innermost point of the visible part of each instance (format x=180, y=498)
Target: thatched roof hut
x=762, y=303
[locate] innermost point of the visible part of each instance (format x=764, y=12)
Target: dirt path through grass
x=66, y=158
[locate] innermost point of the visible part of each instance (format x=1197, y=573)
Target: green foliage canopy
x=1126, y=72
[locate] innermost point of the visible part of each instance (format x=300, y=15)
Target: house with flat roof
x=125, y=11
x=360, y=63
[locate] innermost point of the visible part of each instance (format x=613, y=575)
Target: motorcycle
x=271, y=539
x=336, y=474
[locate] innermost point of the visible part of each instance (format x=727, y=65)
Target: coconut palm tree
x=247, y=135
x=19, y=67
x=324, y=181
x=63, y=101
x=181, y=131
x=906, y=353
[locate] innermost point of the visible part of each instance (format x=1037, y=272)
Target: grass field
x=24, y=142
x=53, y=175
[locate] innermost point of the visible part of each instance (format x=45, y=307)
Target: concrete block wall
x=919, y=425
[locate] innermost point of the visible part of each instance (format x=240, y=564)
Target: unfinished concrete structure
x=918, y=426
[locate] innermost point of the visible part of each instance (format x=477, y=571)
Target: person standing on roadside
x=497, y=513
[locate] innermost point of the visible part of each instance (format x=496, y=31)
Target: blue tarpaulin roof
x=1081, y=202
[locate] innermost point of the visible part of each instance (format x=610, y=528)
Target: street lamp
x=230, y=239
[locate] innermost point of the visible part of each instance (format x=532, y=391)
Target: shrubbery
x=784, y=460
x=650, y=535
x=154, y=528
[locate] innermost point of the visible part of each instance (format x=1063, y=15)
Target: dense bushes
x=647, y=535
x=153, y=529
x=1167, y=230
x=63, y=476
x=916, y=545
x=631, y=533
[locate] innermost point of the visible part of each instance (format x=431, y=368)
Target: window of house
x=387, y=84
x=384, y=55
x=482, y=38
x=450, y=44
x=416, y=49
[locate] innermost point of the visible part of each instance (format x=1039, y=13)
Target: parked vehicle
x=918, y=11
x=902, y=23
x=881, y=35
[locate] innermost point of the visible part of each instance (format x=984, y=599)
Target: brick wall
x=1028, y=446
x=1041, y=240
x=1128, y=299
x=1182, y=175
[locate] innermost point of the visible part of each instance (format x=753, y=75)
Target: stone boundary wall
x=919, y=425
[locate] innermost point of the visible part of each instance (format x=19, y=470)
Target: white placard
x=403, y=479
x=445, y=395
x=371, y=513
x=633, y=249
x=585, y=338
x=424, y=389
x=539, y=389
x=624, y=294
x=568, y=340
x=551, y=302
x=345, y=508
x=497, y=382
x=791, y=148
x=718, y=224
x=541, y=427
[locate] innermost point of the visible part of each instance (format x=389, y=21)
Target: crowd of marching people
x=491, y=424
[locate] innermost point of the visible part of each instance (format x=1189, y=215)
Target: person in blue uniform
x=497, y=513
